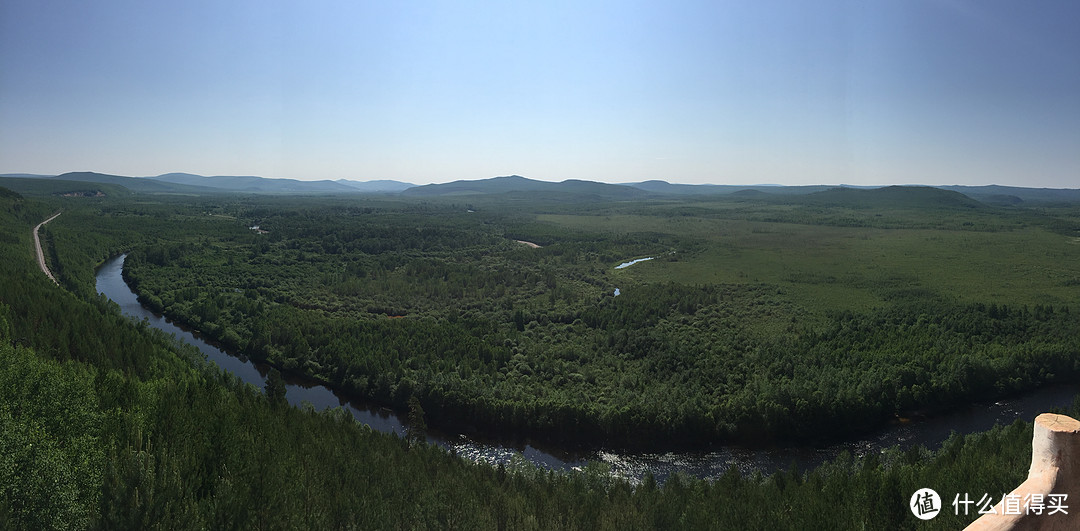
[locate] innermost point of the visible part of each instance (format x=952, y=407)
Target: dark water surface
x=632, y=465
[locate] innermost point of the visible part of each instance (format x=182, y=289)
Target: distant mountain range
x=265, y=185
x=518, y=187
x=187, y=183
x=956, y=196
x=666, y=188
x=516, y=184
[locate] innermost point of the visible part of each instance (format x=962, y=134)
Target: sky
x=748, y=92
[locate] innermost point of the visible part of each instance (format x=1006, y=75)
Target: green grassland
x=827, y=267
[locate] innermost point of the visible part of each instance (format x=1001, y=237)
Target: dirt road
x=40, y=254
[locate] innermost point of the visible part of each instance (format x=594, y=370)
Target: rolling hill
x=38, y=186
x=893, y=196
x=187, y=183
x=516, y=184
x=135, y=184
x=1009, y=194
x=253, y=184
x=518, y=187
x=377, y=186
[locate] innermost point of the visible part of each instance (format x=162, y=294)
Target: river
x=625, y=265
x=631, y=465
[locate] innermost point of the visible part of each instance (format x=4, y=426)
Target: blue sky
x=789, y=92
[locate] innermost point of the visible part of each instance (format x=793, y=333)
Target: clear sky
x=747, y=92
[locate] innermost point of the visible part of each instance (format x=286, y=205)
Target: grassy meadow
x=823, y=267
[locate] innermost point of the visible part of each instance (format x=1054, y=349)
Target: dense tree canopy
x=399, y=300
x=107, y=423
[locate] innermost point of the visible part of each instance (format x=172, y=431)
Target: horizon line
x=626, y=183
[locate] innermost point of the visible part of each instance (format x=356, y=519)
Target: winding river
x=630, y=465
x=625, y=265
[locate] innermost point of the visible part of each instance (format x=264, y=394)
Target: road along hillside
x=40, y=254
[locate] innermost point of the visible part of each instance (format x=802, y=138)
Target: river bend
x=631, y=465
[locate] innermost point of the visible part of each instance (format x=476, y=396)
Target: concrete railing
x=1055, y=469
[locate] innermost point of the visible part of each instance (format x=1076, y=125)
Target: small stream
x=631, y=465
x=625, y=265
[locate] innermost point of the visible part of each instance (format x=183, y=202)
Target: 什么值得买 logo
x=925, y=504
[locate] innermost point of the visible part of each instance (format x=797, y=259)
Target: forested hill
x=190, y=184
x=666, y=188
x=518, y=184
x=1024, y=195
x=31, y=186
x=893, y=197
x=135, y=184
x=255, y=184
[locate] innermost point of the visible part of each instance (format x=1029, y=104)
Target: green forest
x=391, y=300
x=758, y=320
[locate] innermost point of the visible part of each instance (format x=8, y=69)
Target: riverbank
x=930, y=432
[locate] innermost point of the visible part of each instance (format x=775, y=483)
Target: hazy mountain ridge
x=996, y=193
x=377, y=186
x=893, y=196
x=518, y=184
x=666, y=188
x=27, y=175
x=37, y=186
x=250, y=183
x=189, y=183
x=576, y=189
x=135, y=184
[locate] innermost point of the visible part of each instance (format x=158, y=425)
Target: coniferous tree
x=416, y=432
